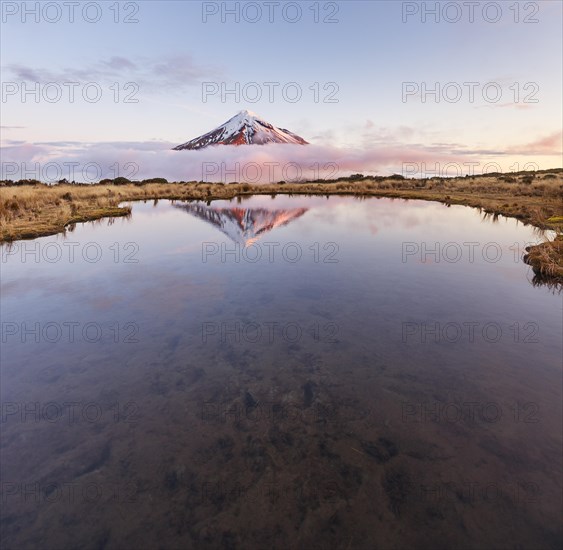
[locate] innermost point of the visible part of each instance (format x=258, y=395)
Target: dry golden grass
x=33, y=211
x=546, y=259
x=30, y=211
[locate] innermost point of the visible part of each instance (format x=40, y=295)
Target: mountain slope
x=245, y=128
x=243, y=225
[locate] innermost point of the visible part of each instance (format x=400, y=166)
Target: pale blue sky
x=369, y=53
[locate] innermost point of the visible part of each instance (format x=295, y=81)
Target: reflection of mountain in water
x=244, y=225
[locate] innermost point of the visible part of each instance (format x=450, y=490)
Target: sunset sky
x=364, y=60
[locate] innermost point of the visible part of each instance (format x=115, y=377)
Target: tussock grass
x=36, y=210
x=546, y=259
x=28, y=211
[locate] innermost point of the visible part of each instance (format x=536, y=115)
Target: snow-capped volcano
x=245, y=128
x=243, y=225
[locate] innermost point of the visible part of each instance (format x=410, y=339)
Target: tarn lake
x=281, y=372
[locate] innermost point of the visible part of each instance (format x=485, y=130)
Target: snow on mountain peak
x=248, y=113
x=243, y=225
x=245, y=128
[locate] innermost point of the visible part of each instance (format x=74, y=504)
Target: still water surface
x=289, y=372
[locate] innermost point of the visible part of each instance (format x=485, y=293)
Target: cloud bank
x=88, y=163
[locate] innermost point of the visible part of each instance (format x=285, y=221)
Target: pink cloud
x=548, y=145
x=252, y=164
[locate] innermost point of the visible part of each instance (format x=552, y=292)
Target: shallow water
x=288, y=372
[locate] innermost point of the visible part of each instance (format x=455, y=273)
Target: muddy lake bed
x=288, y=372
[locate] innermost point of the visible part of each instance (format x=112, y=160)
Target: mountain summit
x=245, y=128
x=243, y=225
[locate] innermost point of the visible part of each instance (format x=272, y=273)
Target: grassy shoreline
x=31, y=211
